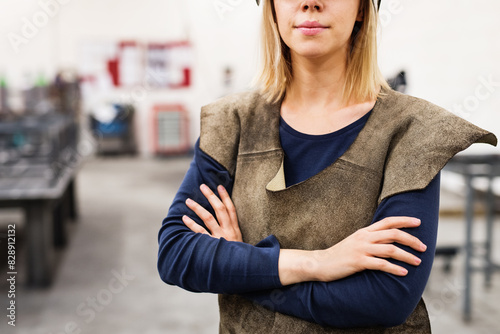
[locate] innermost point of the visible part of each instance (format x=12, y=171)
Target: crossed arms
x=365, y=280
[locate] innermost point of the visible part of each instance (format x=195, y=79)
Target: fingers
x=226, y=226
x=374, y=263
x=193, y=226
x=394, y=252
x=226, y=199
x=394, y=222
x=219, y=207
x=204, y=215
x=401, y=237
x=387, y=231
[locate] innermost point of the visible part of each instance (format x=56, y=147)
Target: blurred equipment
x=169, y=65
x=473, y=167
x=398, y=83
x=35, y=144
x=37, y=99
x=170, y=130
x=66, y=94
x=39, y=161
x=4, y=108
x=228, y=81
x=113, y=127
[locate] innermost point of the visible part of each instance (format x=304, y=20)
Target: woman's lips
x=310, y=28
x=310, y=31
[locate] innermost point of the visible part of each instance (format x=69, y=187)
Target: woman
x=327, y=182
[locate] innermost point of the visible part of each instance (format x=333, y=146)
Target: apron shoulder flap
x=220, y=128
x=427, y=137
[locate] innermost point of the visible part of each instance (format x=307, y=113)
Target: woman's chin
x=313, y=54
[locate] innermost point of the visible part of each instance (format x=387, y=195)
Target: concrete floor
x=122, y=202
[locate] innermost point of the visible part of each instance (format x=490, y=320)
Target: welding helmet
x=376, y=1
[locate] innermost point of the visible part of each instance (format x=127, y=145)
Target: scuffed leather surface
x=404, y=144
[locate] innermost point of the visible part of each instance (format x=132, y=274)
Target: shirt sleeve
x=200, y=263
x=368, y=298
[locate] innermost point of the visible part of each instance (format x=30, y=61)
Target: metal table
x=472, y=167
x=46, y=204
x=38, y=166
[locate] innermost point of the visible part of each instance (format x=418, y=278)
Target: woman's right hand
x=366, y=249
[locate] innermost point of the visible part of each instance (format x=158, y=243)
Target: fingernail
x=418, y=261
x=204, y=187
x=423, y=247
x=189, y=201
x=221, y=188
x=404, y=271
x=416, y=221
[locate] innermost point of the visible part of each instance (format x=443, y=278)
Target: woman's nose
x=312, y=5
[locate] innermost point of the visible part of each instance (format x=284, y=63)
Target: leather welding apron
x=404, y=144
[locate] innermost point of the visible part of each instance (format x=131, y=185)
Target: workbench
x=39, y=165
x=473, y=167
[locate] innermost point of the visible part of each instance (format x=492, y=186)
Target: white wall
x=40, y=52
x=448, y=48
x=445, y=46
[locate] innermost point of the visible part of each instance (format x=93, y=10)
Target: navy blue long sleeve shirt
x=197, y=262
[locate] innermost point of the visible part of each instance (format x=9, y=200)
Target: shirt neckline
x=284, y=125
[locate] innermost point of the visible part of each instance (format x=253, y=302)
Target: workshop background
x=99, y=111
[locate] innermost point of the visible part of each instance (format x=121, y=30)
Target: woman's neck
x=317, y=83
x=313, y=102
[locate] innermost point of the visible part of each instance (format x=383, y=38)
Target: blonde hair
x=363, y=76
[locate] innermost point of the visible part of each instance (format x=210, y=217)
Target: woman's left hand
x=225, y=226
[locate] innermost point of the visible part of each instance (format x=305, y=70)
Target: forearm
x=296, y=266
x=200, y=263
x=364, y=299
x=367, y=298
